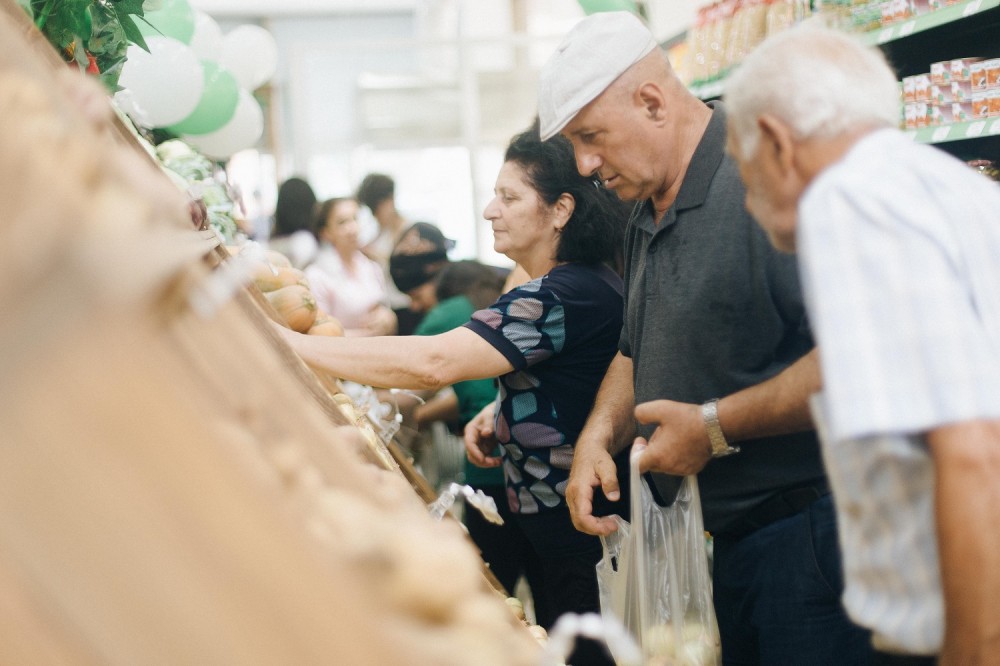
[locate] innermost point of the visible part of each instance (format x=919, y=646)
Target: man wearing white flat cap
x=715, y=361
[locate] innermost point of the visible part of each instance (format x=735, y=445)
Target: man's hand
x=680, y=443
x=592, y=467
x=480, y=440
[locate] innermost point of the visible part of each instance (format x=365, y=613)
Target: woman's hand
x=480, y=439
x=381, y=321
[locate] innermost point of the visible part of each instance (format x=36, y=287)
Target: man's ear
x=650, y=97
x=564, y=207
x=777, y=139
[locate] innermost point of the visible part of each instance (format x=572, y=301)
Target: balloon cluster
x=195, y=82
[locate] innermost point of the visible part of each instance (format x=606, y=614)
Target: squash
x=277, y=259
x=296, y=305
x=270, y=279
x=326, y=325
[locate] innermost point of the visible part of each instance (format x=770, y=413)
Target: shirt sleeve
x=901, y=345
x=527, y=324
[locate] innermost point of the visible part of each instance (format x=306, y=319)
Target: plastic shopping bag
x=654, y=578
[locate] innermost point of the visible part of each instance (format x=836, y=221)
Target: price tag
x=907, y=28
x=972, y=8
x=885, y=36
x=940, y=134
x=995, y=127
x=975, y=129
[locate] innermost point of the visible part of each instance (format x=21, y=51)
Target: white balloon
x=241, y=132
x=163, y=86
x=207, y=38
x=251, y=54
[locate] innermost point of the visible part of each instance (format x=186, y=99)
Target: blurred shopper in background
x=347, y=284
x=294, y=217
x=418, y=256
x=715, y=349
x=899, y=250
x=548, y=341
x=377, y=192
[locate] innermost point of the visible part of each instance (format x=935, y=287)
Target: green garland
x=95, y=34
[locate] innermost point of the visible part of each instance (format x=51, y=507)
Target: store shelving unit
x=966, y=29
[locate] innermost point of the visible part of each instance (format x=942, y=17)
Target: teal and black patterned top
x=560, y=332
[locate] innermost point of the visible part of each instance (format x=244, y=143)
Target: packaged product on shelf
x=940, y=94
x=747, y=30
x=980, y=105
x=961, y=111
x=721, y=21
x=961, y=91
x=992, y=73
x=961, y=68
x=783, y=14
x=921, y=87
x=866, y=16
x=940, y=115
x=698, y=45
x=941, y=72
x=977, y=74
x=910, y=116
x=923, y=114
x=909, y=89
x=993, y=97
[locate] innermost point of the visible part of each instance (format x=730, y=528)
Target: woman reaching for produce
x=549, y=341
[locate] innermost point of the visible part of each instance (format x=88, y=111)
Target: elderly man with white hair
x=899, y=252
x=715, y=347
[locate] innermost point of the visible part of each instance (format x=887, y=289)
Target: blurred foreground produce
x=176, y=486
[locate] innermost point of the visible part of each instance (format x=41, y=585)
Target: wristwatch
x=710, y=415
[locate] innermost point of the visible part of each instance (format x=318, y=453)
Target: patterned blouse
x=560, y=332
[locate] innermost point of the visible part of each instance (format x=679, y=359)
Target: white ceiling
x=299, y=7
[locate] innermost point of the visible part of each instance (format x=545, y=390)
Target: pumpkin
x=326, y=325
x=270, y=279
x=277, y=259
x=296, y=306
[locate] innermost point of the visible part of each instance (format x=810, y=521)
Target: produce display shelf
x=927, y=21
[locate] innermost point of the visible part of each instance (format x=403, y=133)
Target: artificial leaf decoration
x=95, y=34
x=125, y=10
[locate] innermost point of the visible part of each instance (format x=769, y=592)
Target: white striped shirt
x=899, y=250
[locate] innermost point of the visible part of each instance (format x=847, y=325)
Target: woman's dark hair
x=323, y=212
x=295, y=207
x=595, y=230
x=374, y=189
x=478, y=282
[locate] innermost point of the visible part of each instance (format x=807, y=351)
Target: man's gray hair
x=821, y=82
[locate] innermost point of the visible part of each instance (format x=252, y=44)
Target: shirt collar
x=698, y=178
x=705, y=161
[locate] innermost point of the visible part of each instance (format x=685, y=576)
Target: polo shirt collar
x=700, y=172
x=705, y=162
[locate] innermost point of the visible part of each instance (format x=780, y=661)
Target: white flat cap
x=594, y=53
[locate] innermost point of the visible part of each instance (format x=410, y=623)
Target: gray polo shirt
x=712, y=308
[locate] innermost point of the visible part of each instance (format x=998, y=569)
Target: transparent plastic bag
x=654, y=577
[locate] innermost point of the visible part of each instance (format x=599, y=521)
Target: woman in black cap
x=548, y=341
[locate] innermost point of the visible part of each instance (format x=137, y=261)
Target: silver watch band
x=710, y=415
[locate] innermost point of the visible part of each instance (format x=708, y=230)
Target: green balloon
x=217, y=104
x=174, y=19
x=595, y=6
